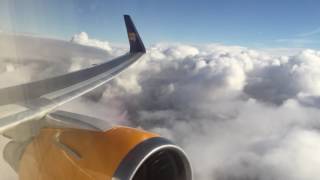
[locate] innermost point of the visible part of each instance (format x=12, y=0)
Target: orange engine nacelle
x=120, y=153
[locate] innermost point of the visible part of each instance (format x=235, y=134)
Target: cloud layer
x=83, y=39
x=238, y=113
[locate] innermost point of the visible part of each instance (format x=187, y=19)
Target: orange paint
x=81, y=154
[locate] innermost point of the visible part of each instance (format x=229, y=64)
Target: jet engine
x=118, y=153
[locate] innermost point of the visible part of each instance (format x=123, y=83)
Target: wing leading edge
x=38, y=98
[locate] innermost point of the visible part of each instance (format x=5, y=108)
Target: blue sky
x=254, y=23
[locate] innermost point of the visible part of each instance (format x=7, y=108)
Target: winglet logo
x=132, y=36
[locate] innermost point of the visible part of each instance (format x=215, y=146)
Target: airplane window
x=235, y=84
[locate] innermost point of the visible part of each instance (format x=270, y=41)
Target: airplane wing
x=32, y=101
x=64, y=145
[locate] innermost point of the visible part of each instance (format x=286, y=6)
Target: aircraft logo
x=132, y=36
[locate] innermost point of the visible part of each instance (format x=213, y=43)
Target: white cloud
x=297, y=153
x=310, y=33
x=239, y=113
x=83, y=39
x=230, y=108
x=296, y=41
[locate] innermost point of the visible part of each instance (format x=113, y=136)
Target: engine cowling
x=120, y=153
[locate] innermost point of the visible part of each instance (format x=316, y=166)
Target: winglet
x=136, y=44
